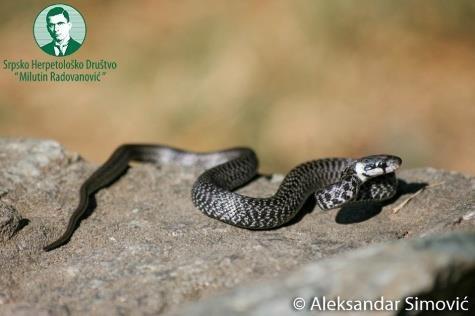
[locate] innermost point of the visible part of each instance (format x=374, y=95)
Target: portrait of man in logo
x=59, y=30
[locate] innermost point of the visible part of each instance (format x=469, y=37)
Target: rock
x=9, y=221
x=395, y=276
x=145, y=249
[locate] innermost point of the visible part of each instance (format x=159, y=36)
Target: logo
x=59, y=30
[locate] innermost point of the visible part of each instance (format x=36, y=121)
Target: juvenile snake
x=335, y=182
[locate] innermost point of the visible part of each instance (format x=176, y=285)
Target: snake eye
x=369, y=167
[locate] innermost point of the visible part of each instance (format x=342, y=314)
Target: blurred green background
x=295, y=80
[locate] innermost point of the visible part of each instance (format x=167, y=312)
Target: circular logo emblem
x=59, y=30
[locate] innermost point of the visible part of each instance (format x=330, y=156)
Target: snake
x=333, y=181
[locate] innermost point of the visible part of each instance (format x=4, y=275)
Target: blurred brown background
x=295, y=80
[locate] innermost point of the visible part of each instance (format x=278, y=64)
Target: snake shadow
x=361, y=211
x=357, y=212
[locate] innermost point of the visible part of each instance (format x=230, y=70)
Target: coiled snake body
x=335, y=182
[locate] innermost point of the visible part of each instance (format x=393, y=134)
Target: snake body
x=335, y=182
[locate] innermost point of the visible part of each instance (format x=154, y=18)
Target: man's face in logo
x=58, y=27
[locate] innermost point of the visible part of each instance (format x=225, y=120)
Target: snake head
x=373, y=166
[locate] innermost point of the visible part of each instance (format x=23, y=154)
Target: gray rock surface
x=393, y=276
x=9, y=221
x=146, y=250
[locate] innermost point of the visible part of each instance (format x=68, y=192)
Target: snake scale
x=334, y=181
